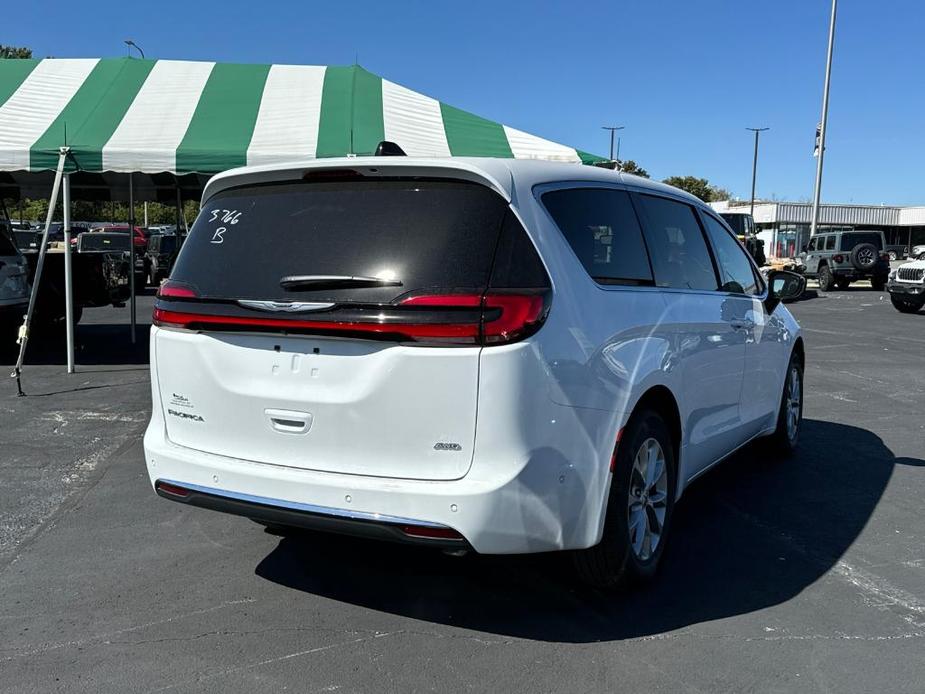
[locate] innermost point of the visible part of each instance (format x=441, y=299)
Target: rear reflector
x=171, y=489
x=430, y=532
x=613, y=456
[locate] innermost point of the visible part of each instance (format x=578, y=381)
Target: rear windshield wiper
x=294, y=282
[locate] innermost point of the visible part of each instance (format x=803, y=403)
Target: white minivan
x=473, y=354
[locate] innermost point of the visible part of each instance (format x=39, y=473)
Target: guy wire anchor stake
x=20, y=338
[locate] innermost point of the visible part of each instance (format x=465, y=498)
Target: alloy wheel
x=648, y=499
x=793, y=403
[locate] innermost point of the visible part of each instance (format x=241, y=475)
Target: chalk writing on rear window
x=226, y=216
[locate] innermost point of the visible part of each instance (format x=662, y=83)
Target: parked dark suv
x=160, y=256
x=838, y=258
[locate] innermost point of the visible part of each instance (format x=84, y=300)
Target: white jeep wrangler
x=906, y=285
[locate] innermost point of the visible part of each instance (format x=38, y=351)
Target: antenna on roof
x=389, y=149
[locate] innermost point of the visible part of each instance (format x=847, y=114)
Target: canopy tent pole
x=68, y=273
x=131, y=252
x=23, y=339
x=180, y=236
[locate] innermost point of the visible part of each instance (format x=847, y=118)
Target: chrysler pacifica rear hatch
x=336, y=324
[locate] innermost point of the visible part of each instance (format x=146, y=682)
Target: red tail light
x=465, y=333
x=520, y=313
x=505, y=317
x=838, y=258
x=176, y=290
x=491, y=319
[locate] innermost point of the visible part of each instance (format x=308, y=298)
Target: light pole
x=817, y=190
x=612, y=129
x=131, y=44
x=757, y=132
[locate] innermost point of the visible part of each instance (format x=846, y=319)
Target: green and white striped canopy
x=152, y=116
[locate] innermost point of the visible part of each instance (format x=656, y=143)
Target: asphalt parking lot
x=784, y=576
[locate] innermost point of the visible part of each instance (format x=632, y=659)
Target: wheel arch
x=799, y=350
x=660, y=399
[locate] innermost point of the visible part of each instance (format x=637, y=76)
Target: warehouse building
x=784, y=226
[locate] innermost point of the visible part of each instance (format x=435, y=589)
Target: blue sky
x=685, y=78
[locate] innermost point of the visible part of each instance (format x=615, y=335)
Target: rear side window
x=676, y=245
x=849, y=241
x=735, y=269
x=830, y=243
x=601, y=227
x=425, y=234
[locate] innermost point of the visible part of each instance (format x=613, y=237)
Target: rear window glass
x=601, y=227
x=676, y=244
x=425, y=234
x=516, y=263
x=849, y=241
x=99, y=241
x=162, y=244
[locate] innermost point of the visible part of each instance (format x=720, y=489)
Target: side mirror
x=784, y=286
x=804, y=248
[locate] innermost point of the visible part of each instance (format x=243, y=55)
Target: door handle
x=289, y=421
x=742, y=324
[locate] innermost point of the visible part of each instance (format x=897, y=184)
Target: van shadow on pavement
x=751, y=534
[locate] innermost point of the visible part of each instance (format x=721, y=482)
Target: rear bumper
x=277, y=511
x=852, y=274
x=493, y=515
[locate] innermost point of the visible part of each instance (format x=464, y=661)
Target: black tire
x=826, y=279
x=904, y=305
x=785, y=440
x=842, y=283
x=878, y=283
x=613, y=563
x=864, y=256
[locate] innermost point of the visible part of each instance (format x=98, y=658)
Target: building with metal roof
x=784, y=226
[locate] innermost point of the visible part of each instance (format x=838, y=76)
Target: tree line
x=698, y=187
x=36, y=209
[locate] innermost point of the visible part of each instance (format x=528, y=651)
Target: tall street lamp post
x=612, y=129
x=131, y=44
x=817, y=191
x=757, y=132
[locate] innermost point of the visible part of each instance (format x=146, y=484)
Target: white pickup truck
x=906, y=285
